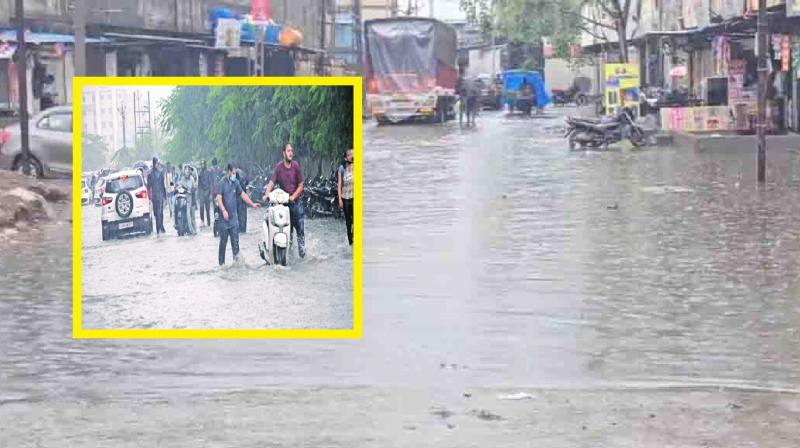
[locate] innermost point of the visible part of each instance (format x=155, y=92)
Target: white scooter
x=277, y=226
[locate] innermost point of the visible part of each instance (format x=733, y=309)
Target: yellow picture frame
x=78, y=332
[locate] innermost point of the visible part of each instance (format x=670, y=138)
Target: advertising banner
x=622, y=87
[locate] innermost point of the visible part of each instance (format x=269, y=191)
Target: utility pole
x=763, y=30
x=430, y=7
x=79, y=22
x=121, y=110
x=22, y=80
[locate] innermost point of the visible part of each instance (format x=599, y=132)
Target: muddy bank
x=26, y=202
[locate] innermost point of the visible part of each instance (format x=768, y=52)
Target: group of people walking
x=223, y=189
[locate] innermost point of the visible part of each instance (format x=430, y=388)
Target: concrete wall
x=559, y=75
x=480, y=61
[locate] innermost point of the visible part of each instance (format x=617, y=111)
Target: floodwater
x=514, y=292
x=176, y=282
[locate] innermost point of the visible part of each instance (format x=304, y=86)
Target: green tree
x=250, y=124
x=94, y=152
x=528, y=21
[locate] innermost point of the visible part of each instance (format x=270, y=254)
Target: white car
x=86, y=194
x=125, y=205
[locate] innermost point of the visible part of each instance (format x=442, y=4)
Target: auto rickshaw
x=524, y=90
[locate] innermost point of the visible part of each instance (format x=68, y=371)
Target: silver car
x=50, y=140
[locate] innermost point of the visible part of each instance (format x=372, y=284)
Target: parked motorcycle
x=585, y=132
x=277, y=228
x=322, y=198
x=182, y=211
x=571, y=95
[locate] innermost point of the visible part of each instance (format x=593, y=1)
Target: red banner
x=259, y=10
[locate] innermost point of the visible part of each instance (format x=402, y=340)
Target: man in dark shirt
x=288, y=175
x=228, y=190
x=158, y=194
x=204, y=195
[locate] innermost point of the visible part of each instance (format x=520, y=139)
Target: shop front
x=723, y=78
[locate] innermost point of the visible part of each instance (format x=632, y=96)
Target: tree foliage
x=94, y=152
x=563, y=21
x=250, y=124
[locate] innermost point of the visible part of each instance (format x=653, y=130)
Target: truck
x=411, y=72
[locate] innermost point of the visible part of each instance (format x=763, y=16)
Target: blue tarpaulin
x=512, y=80
x=47, y=38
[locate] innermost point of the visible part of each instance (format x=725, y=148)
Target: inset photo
x=217, y=208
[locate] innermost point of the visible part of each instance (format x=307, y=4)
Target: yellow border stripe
x=79, y=332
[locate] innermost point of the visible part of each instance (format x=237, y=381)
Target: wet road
x=176, y=282
x=638, y=298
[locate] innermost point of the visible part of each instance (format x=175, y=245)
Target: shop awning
x=153, y=38
x=47, y=38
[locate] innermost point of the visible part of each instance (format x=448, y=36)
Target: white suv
x=126, y=207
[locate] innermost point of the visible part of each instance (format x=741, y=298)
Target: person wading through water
x=288, y=175
x=158, y=194
x=204, y=195
x=228, y=190
x=346, y=192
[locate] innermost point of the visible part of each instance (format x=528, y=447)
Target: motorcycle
x=182, y=211
x=321, y=197
x=569, y=96
x=277, y=228
x=585, y=132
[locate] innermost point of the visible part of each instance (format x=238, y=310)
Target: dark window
x=124, y=183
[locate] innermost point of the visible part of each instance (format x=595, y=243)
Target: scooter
x=182, y=211
x=277, y=227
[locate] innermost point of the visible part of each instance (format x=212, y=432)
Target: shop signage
x=622, y=87
x=736, y=71
x=786, y=50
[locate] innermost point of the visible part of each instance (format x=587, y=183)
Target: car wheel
x=104, y=231
x=33, y=167
x=124, y=204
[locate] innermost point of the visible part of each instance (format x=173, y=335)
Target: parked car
x=50, y=142
x=491, y=92
x=126, y=207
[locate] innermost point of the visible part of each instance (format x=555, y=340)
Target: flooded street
x=514, y=293
x=176, y=282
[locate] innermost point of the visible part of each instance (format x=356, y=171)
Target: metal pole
x=430, y=8
x=260, y=50
x=124, y=135
x=79, y=21
x=22, y=81
x=763, y=30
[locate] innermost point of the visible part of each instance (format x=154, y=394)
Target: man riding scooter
x=288, y=175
